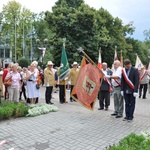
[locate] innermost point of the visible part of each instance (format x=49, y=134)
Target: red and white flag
x=115, y=58
x=99, y=60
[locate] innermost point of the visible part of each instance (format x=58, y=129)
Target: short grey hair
x=104, y=63
x=117, y=61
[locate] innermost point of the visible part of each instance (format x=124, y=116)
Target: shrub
x=1, y=113
x=132, y=142
x=21, y=110
x=23, y=62
x=8, y=112
x=12, y=109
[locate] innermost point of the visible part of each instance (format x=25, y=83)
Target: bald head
x=104, y=65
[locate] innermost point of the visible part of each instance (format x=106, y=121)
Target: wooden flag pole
x=64, y=41
x=89, y=59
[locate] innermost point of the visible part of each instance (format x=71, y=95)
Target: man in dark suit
x=105, y=89
x=129, y=88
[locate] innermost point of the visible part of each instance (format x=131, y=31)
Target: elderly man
x=105, y=89
x=49, y=75
x=116, y=82
x=73, y=76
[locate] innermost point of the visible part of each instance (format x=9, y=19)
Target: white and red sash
x=110, y=87
x=128, y=81
x=142, y=76
x=117, y=82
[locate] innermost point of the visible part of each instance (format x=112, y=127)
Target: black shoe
x=129, y=120
x=106, y=109
x=51, y=103
x=71, y=100
x=114, y=114
x=119, y=116
x=100, y=108
x=125, y=119
x=139, y=96
x=144, y=97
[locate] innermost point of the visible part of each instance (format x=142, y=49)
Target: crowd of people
x=27, y=81
x=21, y=81
x=123, y=83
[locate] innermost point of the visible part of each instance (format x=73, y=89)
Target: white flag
x=139, y=65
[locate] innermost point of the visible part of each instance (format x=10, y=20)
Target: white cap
x=75, y=63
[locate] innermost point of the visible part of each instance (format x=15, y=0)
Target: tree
x=88, y=28
x=138, y=48
x=16, y=23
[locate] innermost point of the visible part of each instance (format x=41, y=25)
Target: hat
x=75, y=63
x=50, y=63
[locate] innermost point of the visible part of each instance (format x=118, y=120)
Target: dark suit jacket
x=134, y=77
x=105, y=86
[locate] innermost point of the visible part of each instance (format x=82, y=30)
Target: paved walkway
x=73, y=127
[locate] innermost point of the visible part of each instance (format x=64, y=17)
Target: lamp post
x=4, y=44
x=15, y=40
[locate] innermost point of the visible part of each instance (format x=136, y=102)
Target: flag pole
x=64, y=41
x=121, y=59
x=81, y=50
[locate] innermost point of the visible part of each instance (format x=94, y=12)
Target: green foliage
x=8, y=112
x=12, y=109
x=16, y=19
x=137, y=48
x=80, y=24
x=1, y=113
x=86, y=27
x=23, y=62
x=21, y=110
x=132, y=142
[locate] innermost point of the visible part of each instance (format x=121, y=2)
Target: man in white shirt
x=116, y=82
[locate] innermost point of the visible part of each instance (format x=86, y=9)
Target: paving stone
x=73, y=127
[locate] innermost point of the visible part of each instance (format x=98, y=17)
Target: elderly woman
x=14, y=88
x=31, y=78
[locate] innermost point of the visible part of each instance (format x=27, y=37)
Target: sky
x=136, y=11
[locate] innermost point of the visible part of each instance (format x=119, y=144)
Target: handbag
x=37, y=86
x=8, y=82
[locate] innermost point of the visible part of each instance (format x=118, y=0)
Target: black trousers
x=48, y=94
x=144, y=88
x=129, y=105
x=104, y=99
x=71, y=88
x=62, y=93
x=24, y=92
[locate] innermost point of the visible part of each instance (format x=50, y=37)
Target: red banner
x=87, y=85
